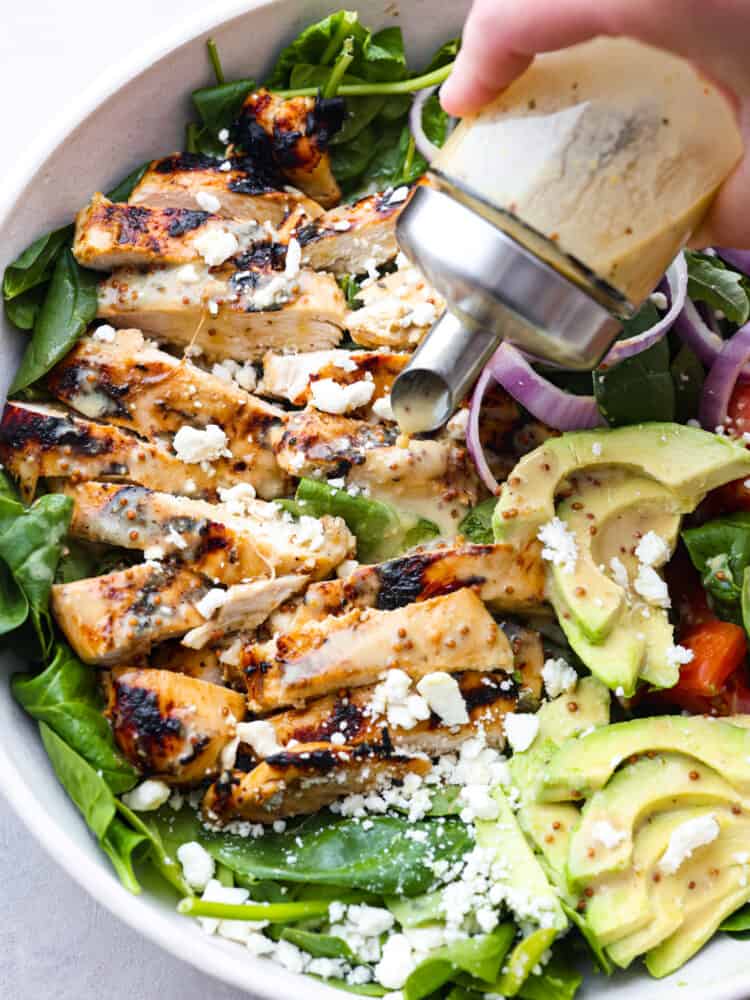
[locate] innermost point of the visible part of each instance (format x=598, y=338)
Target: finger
x=726, y=224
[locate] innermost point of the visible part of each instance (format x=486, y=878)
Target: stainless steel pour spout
x=496, y=290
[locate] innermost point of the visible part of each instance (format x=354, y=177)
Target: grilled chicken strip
x=352, y=239
x=114, y=618
x=231, y=542
x=397, y=311
x=169, y=725
x=203, y=664
x=293, y=135
x=290, y=376
x=131, y=383
x=504, y=578
x=454, y=632
x=110, y=235
x=250, y=306
x=304, y=780
x=37, y=440
x=246, y=192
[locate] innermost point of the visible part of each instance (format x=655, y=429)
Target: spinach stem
x=213, y=55
x=333, y=46
x=191, y=137
x=409, y=158
x=339, y=68
x=364, y=89
x=276, y=913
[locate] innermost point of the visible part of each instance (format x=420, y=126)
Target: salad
x=455, y=715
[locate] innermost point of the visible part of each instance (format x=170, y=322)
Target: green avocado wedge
x=582, y=766
x=686, y=460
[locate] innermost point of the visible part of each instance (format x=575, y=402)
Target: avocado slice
x=636, y=792
x=621, y=507
x=583, y=765
x=687, y=460
x=573, y=713
x=525, y=877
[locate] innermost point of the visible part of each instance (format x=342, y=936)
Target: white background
x=55, y=942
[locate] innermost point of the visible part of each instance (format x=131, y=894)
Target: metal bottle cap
x=496, y=290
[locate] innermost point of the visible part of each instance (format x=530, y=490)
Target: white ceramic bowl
x=135, y=112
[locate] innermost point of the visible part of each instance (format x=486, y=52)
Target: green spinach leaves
x=720, y=551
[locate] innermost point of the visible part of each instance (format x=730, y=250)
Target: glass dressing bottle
x=554, y=212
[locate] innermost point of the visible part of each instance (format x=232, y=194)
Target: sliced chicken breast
x=304, y=780
x=40, y=441
x=169, y=725
x=238, y=312
x=229, y=542
x=397, y=311
x=110, y=235
x=203, y=664
x=452, y=633
x=293, y=134
x=291, y=376
x=355, y=238
x=247, y=191
x=129, y=382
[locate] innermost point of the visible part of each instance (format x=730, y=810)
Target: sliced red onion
x=473, y=442
x=677, y=282
x=426, y=147
x=721, y=380
x=707, y=345
x=739, y=259
x=555, y=407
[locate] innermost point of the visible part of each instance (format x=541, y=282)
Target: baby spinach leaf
x=720, y=551
x=94, y=799
x=69, y=307
x=445, y=54
x=350, y=161
x=318, y=44
x=34, y=265
x=688, y=376
x=477, y=524
x=163, y=861
x=380, y=530
x=65, y=698
x=351, y=289
x=479, y=957
x=318, y=945
x=417, y=910
x=23, y=310
x=383, y=56
x=738, y=925
x=217, y=109
x=14, y=607
x=710, y=280
x=360, y=111
x=366, y=990
x=557, y=981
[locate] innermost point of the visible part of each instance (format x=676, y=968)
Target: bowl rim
x=228, y=965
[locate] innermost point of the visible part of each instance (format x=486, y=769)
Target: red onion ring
x=677, y=282
x=425, y=146
x=721, y=380
x=700, y=338
x=473, y=442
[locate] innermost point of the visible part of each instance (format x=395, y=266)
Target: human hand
x=502, y=37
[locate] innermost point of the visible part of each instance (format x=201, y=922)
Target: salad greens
x=720, y=551
x=480, y=957
x=477, y=525
x=712, y=281
x=380, y=530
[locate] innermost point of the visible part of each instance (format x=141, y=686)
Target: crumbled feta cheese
x=195, y=445
x=216, y=245
x=260, y=736
x=596, y=449
x=346, y=568
x=210, y=603
x=651, y=587
x=238, y=498
x=148, y=796
x=604, y=833
x=619, y=573
x=559, y=544
x=685, y=839
x=420, y=314
x=444, y=698
x=558, y=676
x=215, y=892
x=521, y=730
x=397, y=963
x=392, y=698
x=213, y=307
x=677, y=656
x=341, y=226
x=478, y=803
x=330, y=397
x=400, y=194
x=457, y=425
x=197, y=864
x=382, y=408
x=208, y=202
x=105, y=333
x=154, y=553
x=175, y=538
x=652, y=550
x=659, y=299
x=224, y=135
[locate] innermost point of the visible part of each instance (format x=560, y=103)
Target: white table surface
x=56, y=943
